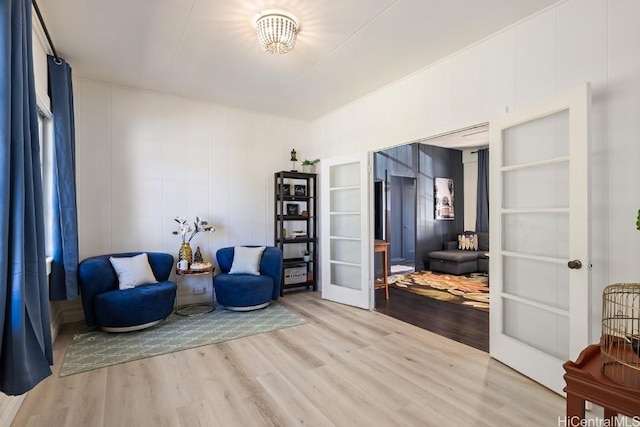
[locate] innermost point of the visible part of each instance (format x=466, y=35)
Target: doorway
x=405, y=216
x=402, y=220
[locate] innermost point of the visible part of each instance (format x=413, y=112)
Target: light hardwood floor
x=346, y=367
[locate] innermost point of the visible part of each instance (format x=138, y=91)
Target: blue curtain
x=482, y=206
x=64, y=269
x=25, y=335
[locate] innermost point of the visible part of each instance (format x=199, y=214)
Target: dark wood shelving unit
x=302, y=191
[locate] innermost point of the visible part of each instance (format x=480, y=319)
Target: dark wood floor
x=463, y=324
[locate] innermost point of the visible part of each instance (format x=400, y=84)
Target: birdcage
x=620, y=342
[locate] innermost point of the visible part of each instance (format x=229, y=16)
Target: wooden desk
x=585, y=381
x=382, y=246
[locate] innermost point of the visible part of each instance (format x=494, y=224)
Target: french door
x=539, y=206
x=346, y=230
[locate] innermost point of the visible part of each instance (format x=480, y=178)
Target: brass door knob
x=575, y=264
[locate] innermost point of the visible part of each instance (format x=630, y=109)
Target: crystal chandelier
x=277, y=31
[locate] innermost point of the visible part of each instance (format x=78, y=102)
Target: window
x=45, y=126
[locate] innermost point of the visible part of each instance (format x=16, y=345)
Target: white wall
x=144, y=158
x=573, y=42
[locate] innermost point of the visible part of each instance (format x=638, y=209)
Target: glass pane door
x=346, y=242
x=539, y=222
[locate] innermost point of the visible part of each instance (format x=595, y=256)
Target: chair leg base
x=130, y=328
x=249, y=308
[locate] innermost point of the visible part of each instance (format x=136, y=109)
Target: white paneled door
x=346, y=230
x=539, y=228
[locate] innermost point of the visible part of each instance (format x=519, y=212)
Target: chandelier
x=277, y=31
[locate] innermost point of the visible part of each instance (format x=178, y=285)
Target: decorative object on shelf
x=198, y=256
x=309, y=166
x=277, y=31
x=183, y=229
x=185, y=253
x=299, y=190
x=294, y=159
x=306, y=255
x=286, y=189
x=292, y=209
x=620, y=359
x=298, y=234
x=295, y=275
x=201, y=266
x=304, y=214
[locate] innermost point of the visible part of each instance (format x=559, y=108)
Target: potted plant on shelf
x=309, y=166
x=306, y=255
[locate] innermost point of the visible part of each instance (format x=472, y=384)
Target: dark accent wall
x=426, y=162
x=431, y=233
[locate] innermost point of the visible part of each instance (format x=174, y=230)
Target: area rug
x=97, y=349
x=470, y=290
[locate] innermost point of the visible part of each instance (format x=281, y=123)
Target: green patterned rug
x=95, y=349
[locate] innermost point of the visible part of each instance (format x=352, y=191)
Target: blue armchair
x=245, y=292
x=116, y=310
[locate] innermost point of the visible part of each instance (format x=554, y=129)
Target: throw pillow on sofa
x=468, y=242
x=246, y=260
x=133, y=271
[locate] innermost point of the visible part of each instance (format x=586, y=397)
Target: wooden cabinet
x=296, y=227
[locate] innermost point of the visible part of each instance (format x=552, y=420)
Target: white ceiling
x=207, y=49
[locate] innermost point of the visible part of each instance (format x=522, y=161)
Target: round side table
x=199, y=308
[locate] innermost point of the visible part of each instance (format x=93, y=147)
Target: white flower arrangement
x=184, y=228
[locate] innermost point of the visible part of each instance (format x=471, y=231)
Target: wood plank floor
x=346, y=367
x=454, y=321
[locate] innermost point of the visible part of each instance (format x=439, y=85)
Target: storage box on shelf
x=296, y=227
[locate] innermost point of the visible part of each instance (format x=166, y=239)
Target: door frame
x=400, y=181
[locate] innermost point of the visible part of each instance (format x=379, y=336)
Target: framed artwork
x=300, y=190
x=286, y=189
x=292, y=209
x=443, y=195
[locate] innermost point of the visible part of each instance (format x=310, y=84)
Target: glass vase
x=185, y=253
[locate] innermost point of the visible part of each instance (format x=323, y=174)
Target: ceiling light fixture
x=277, y=31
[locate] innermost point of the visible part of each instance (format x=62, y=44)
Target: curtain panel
x=64, y=268
x=482, y=206
x=25, y=334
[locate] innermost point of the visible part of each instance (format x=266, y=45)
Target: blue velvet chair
x=245, y=292
x=116, y=310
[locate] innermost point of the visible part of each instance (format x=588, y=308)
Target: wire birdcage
x=620, y=342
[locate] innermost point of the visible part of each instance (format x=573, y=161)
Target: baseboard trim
x=73, y=315
x=56, y=324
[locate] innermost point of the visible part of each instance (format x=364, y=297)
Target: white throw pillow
x=133, y=271
x=246, y=260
